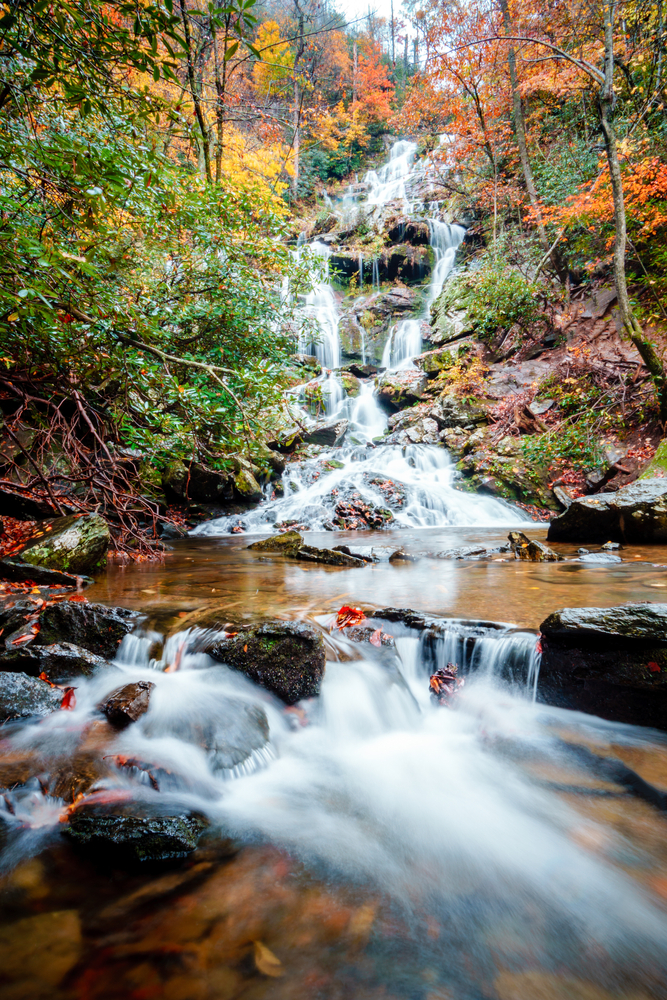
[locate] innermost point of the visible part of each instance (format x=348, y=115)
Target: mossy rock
x=288, y=543
x=351, y=384
x=657, y=467
x=70, y=544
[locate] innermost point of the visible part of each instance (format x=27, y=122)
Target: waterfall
x=388, y=183
x=404, y=344
x=361, y=270
x=320, y=305
x=445, y=240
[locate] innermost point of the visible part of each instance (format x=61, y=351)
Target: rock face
x=636, y=514
x=22, y=697
x=286, y=658
x=607, y=661
x=70, y=544
x=138, y=830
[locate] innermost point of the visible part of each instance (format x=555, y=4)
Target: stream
x=378, y=846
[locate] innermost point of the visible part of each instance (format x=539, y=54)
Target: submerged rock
x=635, y=514
x=74, y=545
x=287, y=543
x=22, y=697
x=529, y=550
x=607, y=661
x=139, y=831
x=286, y=658
x=128, y=703
x=329, y=557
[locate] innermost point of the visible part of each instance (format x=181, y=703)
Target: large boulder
x=607, y=661
x=60, y=661
x=70, y=544
x=94, y=626
x=22, y=697
x=137, y=831
x=327, y=433
x=636, y=514
x=407, y=263
x=286, y=658
x=397, y=389
x=287, y=543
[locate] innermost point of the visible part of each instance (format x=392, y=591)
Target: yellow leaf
x=266, y=961
x=12, y=319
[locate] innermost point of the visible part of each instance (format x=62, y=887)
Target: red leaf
x=653, y=667
x=376, y=638
x=78, y=597
x=69, y=699
x=349, y=616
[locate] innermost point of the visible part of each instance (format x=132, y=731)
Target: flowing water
x=376, y=846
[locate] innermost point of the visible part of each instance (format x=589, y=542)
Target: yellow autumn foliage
x=277, y=59
x=256, y=168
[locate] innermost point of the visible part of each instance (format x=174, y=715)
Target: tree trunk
x=295, y=142
x=520, y=134
x=196, y=97
x=631, y=325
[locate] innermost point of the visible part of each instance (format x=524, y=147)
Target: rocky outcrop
x=69, y=544
x=286, y=658
x=22, y=572
x=413, y=231
x=22, y=697
x=410, y=264
x=397, y=389
x=94, y=626
x=607, y=661
x=327, y=434
x=328, y=557
x=432, y=363
x=636, y=514
x=288, y=543
x=136, y=831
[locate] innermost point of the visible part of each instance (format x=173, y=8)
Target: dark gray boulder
x=529, y=550
x=636, y=514
x=286, y=658
x=93, y=626
x=22, y=697
x=19, y=571
x=607, y=661
x=328, y=434
x=135, y=831
x=60, y=661
x=76, y=544
x=328, y=557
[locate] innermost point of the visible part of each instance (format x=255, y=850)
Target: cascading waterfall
x=423, y=474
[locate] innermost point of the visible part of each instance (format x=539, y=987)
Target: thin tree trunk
x=520, y=134
x=195, y=94
x=631, y=325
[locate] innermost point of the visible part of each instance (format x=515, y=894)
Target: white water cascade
x=452, y=812
x=424, y=477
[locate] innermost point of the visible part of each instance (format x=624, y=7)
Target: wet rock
x=362, y=633
x=60, y=661
x=245, y=483
x=328, y=557
x=138, y=831
x=94, y=626
x=413, y=231
x=600, y=558
x=529, y=550
x=362, y=371
x=328, y=434
x=128, y=703
x=286, y=658
x=398, y=300
x=398, y=389
x=22, y=697
x=74, y=545
x=195, y=482
x=473, y=552
x=394, y=493
x=408, y=263
x=607, y=661
x=288, y=543
x=356, y=513
x=563, y=497
x=23, y=508
x=434, y=362
x=20, y=572
x=636, y=514
x=351, y=384
x=375, y=553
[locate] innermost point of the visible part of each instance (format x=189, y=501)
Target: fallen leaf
x=376, y=638
x=653, y=667
x=69, y=699
x=349, y=616
x=245, y=648
x=43, y=677
x=266, y=961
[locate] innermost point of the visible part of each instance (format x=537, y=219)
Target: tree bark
x=631, y=325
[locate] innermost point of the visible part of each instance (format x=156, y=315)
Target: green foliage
x=575, y=443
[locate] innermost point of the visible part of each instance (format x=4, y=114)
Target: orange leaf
x=349, y=616
x=376, y=638
x=245, y=648
x=69, y=699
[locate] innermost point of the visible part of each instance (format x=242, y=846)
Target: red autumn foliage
x=349, y=616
